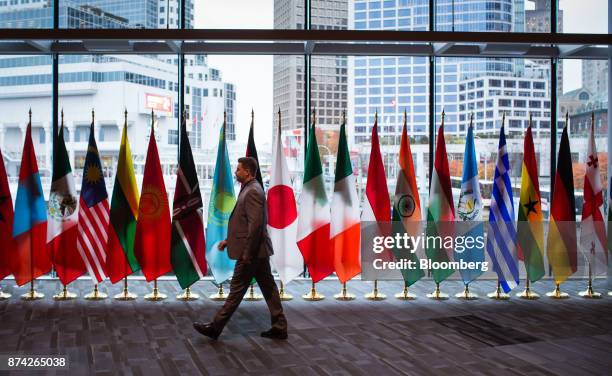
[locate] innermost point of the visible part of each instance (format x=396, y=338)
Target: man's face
x=242, y=174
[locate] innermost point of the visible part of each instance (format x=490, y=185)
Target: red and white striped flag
x=94, y=214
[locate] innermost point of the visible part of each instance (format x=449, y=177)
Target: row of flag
x=138, y=232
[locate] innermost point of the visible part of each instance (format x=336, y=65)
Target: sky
x=252, y=75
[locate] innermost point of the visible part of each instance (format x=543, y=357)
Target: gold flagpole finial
x=279, y=121
x=566, y=118
x=593, y=120
x=93, y=115
x=503, y=119
x=62, y=117
x=471, y=120
x=30, y=115
x=224, y=122
x=376, y=117
x=252, y=115
x=405, y=116
x=530, y=118
x=344, y=116
x=125, y=115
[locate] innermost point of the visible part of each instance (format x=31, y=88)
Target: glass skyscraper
x=390, y=85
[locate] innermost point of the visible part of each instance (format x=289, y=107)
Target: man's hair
x=250, y=164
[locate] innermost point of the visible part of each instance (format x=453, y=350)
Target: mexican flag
x=153, y=228
x=314, y=219
x=530, y=231
x=63, y=216
x=188, y=253
x=441, y=207
x=345, y=224
x=120, y=260
x=282, y=216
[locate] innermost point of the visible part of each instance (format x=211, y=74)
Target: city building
x=110, y=84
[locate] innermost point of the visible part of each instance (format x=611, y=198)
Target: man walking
x=248, y=242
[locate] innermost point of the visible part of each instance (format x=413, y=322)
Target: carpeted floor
x=361, y=337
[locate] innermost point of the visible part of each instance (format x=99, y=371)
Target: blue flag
x=501, y=240
x=470, y=209
x=222, y=201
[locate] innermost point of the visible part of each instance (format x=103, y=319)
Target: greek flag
x=501, y=234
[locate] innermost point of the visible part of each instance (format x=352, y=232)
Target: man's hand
x=222, y=245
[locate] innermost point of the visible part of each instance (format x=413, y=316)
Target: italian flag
x=314, y=219
x=345, y=225
x=441, y=207
x=63, y=216
x=282, y=216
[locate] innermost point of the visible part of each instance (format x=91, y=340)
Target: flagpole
x=155, y=296
x=528, y=294
x=220, y=295
x=313, y=295
x=498, y=294
x=252, y=295
x=187, y=295
x=32, y=294
x=466, y=294
x=405, y=295
x=125, y=294
x=344, y=295
x=589, y=293
x=283, y=294
x=437, y=294
x=375, y=295
x=557, y=294
x=96, y=294
x=64, y=294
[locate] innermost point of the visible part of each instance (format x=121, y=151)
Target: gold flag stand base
x=589, y=293
x=252, y=296
x=219, y=296
x=498, y=294
x=344, y=295
x=4, y=295
x=527, y=293
x=64, y=295
x=32, y=294
x=437, y=295
x=284, y=296
x=125, y=295
x=557, y=294
x=375, y=295
x=610, y=293
x=313, y=295
x=187, y=296
x=155, y=296
x=96, y=294
x=466, y=294
x=405, y=295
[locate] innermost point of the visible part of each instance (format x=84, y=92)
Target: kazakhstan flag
x=222, y=201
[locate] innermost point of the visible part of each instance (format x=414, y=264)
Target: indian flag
x=345, y=225
x=314, y=219
x=441, y=208
x=121, y=260
x=530, y=231
x=406, y=203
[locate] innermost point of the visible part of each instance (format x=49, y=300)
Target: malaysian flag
x=501, y=234
x=92, y=240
